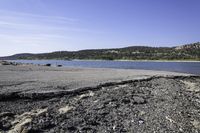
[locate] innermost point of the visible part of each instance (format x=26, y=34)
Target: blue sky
x=35, y=26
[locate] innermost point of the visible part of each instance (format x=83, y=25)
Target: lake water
x=185, y=67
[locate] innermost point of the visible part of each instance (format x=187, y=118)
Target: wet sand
x=49, y=99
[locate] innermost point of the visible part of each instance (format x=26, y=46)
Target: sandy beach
x=50, y=99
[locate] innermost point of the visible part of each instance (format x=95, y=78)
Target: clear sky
x=35, y=26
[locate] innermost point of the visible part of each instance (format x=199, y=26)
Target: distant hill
x=184, y=52
x=189, y=46
x=17, y=56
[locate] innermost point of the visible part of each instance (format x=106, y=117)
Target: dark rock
x=4, y=114
x=6, y=125
x=47, y=64
x=72, y=128
x=126, y=100
x=6, y=63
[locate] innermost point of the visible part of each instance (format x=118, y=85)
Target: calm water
x=186, y=67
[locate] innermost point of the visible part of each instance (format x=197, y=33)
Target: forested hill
x=184, y=52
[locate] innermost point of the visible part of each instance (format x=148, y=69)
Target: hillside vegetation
x=184, y=52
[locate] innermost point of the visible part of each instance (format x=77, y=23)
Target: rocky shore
x=46, y=99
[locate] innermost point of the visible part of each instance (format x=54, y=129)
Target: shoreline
x=118, y=64
x=73, y=77
x=144, y=60
x=116, y=60
x=160, y=60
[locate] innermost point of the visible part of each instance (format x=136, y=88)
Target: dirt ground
x=158, y=104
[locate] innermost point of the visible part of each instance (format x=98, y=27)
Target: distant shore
x=117, y=60
x=161, y=60
x=142, y=60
